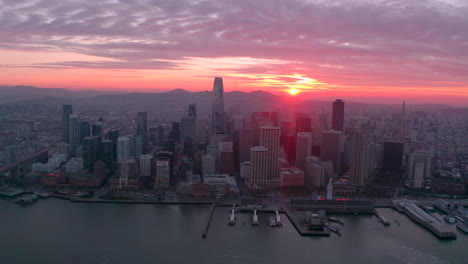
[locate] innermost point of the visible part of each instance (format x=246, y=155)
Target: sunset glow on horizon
x=353, y=49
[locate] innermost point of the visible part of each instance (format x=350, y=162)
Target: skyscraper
x=108, y=150
x=73, y=133
x=303, y=149
x=113, y=135
x=338, y=115
x=192, y=110
x=331, y=149
x=91, y=147
x=217, y=108
x=187, y=129
x=392, y=156
x=84, y=130
x=364, y=158
x=259, y=166
x=245, y=143
x=97, y=129
x=123, y=148
x=270, y=139
x=67, y=110
x=303, y=124
x=142, y=123
x=420, y=168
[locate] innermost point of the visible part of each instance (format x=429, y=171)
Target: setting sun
x=293, y=91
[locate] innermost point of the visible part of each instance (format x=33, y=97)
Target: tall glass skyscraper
x=218, y=114
x=66, y=112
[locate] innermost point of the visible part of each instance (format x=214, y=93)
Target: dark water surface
x=55, y=231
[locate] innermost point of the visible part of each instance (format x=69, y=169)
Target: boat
x=336, y=220
x=429, y=208
x=43, y=195
x=278, y=219
x=272, y=221
x=255, y=219
x=463, y=227
x=449, y=219
x=27, y=200
x=335, y=229
x=232, y=218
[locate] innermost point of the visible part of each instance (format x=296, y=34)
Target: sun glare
x=293, y=91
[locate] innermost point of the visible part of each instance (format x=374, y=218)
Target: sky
x=378, y=50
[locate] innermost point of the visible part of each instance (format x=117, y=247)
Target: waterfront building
x=145, y=162
x=291, y=177
x=315, y=175
x=163, y=174
x=208, y=164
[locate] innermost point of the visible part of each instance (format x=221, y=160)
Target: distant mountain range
x=9, y=94
x=50, y=96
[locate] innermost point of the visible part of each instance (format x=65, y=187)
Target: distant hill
x=10, y=94
x=28, y=95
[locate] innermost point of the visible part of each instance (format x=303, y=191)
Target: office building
x=85, y=130
x=420, y=168
x=107, y=153
x=303, y=149
x=217, y=111
x=91, y=152
x=123, y=148
x=145, y=165
x=338, y=115
x=73, y=133
x=331, y=149
x=259, y=167
x=270, y=139
x=392, y=156
x=67, y=110
x=315, y=175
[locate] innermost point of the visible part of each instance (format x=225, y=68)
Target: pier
x=415, y=213
x=382, y=219
x=208, y=222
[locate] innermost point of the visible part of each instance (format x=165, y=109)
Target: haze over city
x=361, y=50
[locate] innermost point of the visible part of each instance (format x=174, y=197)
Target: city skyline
x=380, y=51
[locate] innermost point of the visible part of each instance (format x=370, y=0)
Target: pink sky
x=356, y=49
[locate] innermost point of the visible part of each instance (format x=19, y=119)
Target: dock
x=208, y=222
x=382, y=219
x=303, y=230
x=418, y=215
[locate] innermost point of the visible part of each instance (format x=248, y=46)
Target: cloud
x=347, y=42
